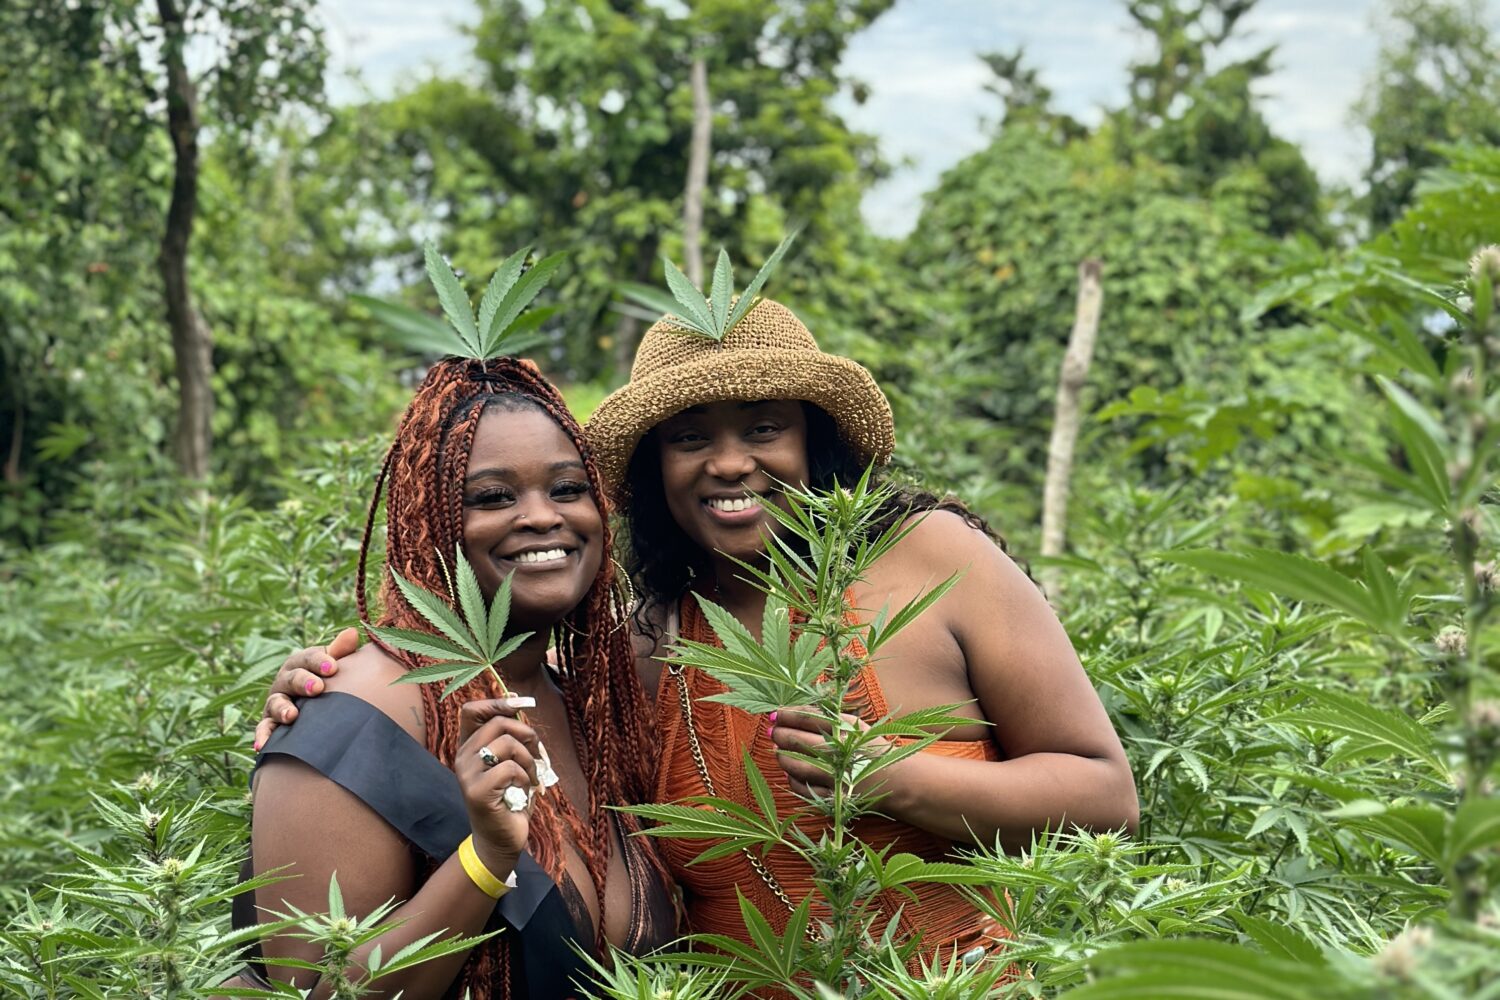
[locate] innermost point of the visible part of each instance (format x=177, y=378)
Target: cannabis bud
x=1452, y=641
x=1485, y=264
x=1398, y=960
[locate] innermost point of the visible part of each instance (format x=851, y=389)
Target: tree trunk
x=192, y=341
x=1075, y=369
x=17, y=431
x=697, y=176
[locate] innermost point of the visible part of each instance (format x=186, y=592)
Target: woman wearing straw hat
x=705, y=428
x=691, y=447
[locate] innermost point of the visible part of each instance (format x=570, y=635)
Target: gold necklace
x=756, y=865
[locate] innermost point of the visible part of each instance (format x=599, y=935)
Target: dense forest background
x=1281, y=537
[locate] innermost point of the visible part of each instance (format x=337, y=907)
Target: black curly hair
x=662, y=560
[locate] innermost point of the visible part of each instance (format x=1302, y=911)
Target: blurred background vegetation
x=1233, y=402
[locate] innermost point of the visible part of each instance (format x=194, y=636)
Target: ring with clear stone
x=487, y=756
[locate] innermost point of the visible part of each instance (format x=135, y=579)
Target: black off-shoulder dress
x=361, y=749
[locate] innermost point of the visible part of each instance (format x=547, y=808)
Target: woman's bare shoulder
x=943, y=539
x=371, y=675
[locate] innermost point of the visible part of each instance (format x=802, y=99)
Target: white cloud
x=927, y=100
x=386, y=41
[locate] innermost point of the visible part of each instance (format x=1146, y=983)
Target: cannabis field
x=1279, y=564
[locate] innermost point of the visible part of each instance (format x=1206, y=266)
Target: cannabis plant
x=141, y=916
x=340, y=935
x=504, y=325
x=810, y=649
x=1400, y=802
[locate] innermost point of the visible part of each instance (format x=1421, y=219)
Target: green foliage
x=510, y=291
x=1183, y=192
x=341, y=935
x=85, y=359
x=999, y=242
x=1434, y=83
x=577, y=129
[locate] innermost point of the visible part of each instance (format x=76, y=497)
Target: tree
x=86, y=370
x=697, y=174
x=1435, y=82
x=260, y=57
x=578, y=131
x=1019, y=87
x=76, y=200
x=1206, y=121
x=1182, y=190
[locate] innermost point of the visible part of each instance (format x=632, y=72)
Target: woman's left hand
x=802, y=729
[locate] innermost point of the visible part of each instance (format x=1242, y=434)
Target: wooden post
x=1075, y=370
x=697, y=176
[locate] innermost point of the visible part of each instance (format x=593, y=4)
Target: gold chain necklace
x=756, y=864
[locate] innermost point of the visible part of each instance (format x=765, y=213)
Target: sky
x=927, y=104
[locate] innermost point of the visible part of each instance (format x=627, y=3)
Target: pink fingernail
x=773, y=718
x=768, y=730
x=326, y=668
x=308, y=687
x=256, y=745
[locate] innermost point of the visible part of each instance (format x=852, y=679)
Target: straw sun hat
x=768, y=355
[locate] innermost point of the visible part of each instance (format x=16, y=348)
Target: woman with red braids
x=402, y=794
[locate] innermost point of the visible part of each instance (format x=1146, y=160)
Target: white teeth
x=731, y=505
x=547, y=555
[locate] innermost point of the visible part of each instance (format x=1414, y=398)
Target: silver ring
x=488, y=757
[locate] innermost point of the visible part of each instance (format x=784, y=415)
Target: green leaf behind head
x=662, y=304
x=413, y=329
x=508, y=312
x=690, y=301
x=723, y=289
x=500, y=285
x=455, y=301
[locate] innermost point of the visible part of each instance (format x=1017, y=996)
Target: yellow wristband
x=477, y=872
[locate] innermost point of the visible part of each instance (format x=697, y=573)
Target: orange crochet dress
x=946, y=921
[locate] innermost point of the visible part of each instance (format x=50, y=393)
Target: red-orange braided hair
x=423, y=476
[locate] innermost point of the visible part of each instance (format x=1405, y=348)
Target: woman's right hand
x=301, y=677
x=499, y=834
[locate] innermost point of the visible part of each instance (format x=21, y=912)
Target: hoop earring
x=621, y=600
x=621, y=594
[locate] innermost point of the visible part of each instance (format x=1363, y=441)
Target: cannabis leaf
x=499, y=328
x=714, y=315
x=470, y=640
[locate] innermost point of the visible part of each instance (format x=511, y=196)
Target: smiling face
x=528, y=514
x=715, y=457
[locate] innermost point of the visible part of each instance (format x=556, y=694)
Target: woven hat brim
x=840, y=387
